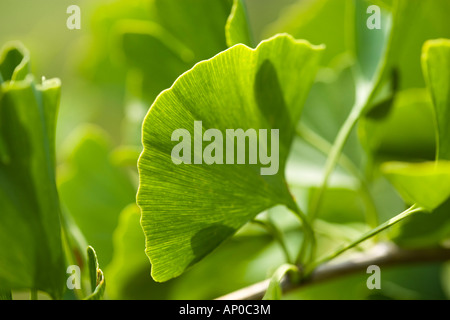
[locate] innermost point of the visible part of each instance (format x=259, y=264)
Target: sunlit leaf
x=188, y=210
x=436, y=65
x=97, y=279
x=371, y=46
x=426, y=184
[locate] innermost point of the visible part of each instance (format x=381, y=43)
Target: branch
x=383, y=255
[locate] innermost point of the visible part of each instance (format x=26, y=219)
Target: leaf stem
x=325, y=147
x=408, y=212
x=309, y=241
x=274, y=290
x=272, y=229
x=333, y=158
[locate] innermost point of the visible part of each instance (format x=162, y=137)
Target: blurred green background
x=111, y=70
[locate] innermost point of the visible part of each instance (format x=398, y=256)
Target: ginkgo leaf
x=96, y=277
x=237, y=28
x=189, y=209
x=425, y=184
x=436, y=66
x=30, y=232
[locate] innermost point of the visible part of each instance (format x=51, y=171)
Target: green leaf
x=129, y=272
x=371, y=48
x=426, y=184
x=436, y=66
x=407, y=132
x=30, y=235
x=328, y=105
x=274, y=290
x=176, y=35
x=97, y=279
x=14, y=62
x=129, y=260
x=139, y=40
x=199, y=24
x=88, y=173
x=322, y=21
x=419, y=21
x=424, y=230
x=188, y=210
x=237, y=28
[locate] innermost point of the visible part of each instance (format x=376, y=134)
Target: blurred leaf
x=420, y=21
x=426, y=184
x=424, y=230
x=177, y=35
x=237, y=28
x=129, y=260
x=14, y=62
x=196, y=222
x=93, y=189
x=98, y=63
x=199, y=24
x=436, y=65
x=274, y=290
x=342, y=205
x=372, y=50
x=305, y=169
x=329, y=103
x=169, y=58
x=30, y=235
x=98, y=284
x=125, y=156
x=407, y=132
x=319, y=22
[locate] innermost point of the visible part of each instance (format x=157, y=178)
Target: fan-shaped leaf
x=189, y=209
